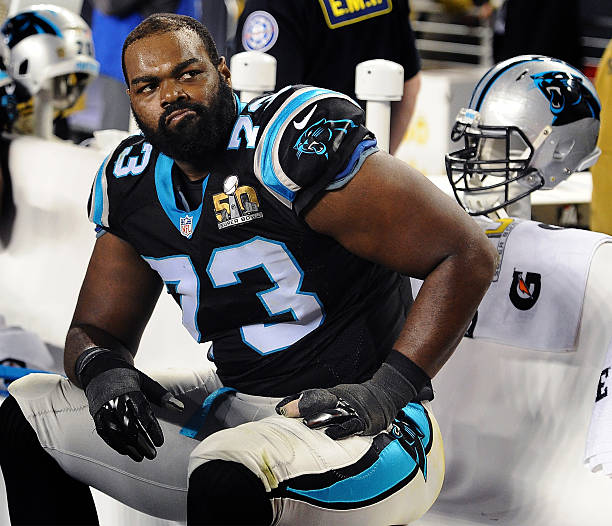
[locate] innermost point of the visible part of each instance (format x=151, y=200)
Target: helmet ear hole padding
x=563, y=149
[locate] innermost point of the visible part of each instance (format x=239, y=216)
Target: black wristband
x=408, y=369
x=97, y=360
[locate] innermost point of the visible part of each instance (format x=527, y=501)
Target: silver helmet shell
x=532, y=121
x=50, y=47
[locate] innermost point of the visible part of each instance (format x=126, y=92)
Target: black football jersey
x=285, y=307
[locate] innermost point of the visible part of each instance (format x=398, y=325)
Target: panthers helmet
x=50, y=47
x=531, y=122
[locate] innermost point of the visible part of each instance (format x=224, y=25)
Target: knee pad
x=34, y=385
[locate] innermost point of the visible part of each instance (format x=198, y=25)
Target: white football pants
x=389, y=479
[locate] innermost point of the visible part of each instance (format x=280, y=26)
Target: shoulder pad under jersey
x=309, y=138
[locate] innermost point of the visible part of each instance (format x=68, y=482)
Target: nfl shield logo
x=187, y=226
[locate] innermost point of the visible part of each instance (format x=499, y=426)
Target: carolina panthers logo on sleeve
x=570, y=100
x=321, y=136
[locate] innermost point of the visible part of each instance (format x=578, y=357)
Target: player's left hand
x=322, y=408
x=359, y=409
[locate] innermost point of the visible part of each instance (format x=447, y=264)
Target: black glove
x=367, y=408
x=118, y=395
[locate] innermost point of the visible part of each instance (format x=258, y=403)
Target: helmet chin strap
x=542, y=136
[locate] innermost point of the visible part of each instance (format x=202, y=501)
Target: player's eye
x=147, y=88
x=190, y=74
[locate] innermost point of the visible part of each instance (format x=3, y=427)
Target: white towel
x=535, y=300
x=598, y=453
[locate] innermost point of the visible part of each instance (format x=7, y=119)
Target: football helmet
x=50, y=47
x=532, y=121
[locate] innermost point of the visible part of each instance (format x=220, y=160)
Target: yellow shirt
x=601, y=201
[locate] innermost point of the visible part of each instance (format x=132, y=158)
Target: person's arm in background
x=402, y=111
x=7, y=205
x=408, y=56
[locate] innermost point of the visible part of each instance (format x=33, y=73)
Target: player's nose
x=171, y=91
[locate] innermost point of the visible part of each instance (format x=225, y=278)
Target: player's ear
x=224, y=70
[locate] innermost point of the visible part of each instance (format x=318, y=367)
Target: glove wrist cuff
x=110, y=384
x=411, y=372
x=95, y=361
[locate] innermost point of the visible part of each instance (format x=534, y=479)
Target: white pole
x=378, y=120
x=133, y=128
x=43, y=112
x=253, y=73
x=379, y=82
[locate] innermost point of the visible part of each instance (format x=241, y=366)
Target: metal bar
x=595, y=42
x=448, y=29
x=450, y=47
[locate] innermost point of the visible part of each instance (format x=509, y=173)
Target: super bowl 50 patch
x=236, y=204
x=340, y=13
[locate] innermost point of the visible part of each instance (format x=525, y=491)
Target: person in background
x=524, y=27
x=601, y=211
x=8, y=117
x=321, y=42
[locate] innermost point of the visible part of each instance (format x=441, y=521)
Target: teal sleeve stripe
x=268, y=174
x=364, y=150
x=99, y=195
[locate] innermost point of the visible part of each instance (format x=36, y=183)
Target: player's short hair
x=164, y=23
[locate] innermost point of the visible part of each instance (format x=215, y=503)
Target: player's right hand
x=127, y=424
x=119, y=397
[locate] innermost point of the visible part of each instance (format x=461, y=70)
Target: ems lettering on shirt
x=602, y=389
x=343, y=12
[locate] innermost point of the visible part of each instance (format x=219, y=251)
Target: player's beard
x=196, y=137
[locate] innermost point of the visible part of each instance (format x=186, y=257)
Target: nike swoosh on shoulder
x=300, y=125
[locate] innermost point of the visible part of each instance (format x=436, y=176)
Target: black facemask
x=195, y=138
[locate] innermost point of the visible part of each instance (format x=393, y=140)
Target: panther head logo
x=321, y=136
x=570, y=100
x=27, y=24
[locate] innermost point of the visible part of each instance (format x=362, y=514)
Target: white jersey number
x=135, y=164
x=178, y=271
x=283, y=296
